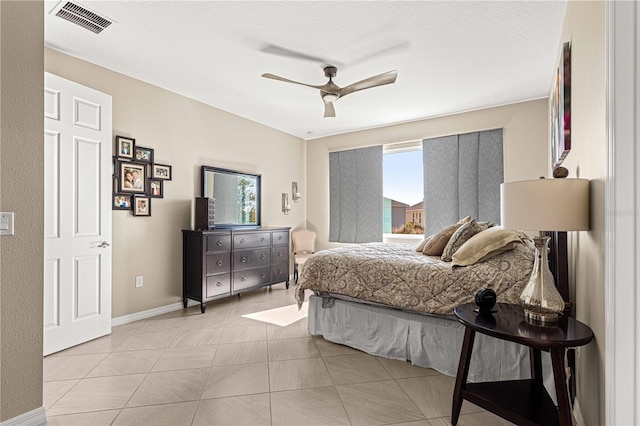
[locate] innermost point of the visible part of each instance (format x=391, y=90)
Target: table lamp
x=544, y=205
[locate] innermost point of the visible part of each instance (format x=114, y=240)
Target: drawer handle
x=219, y=262
x=279, y=271
x=279, y=254
x=241, y=278
x=243, y=259
x=279, y=237
x=242, y=241
x=262, y=240
x=219, y=243
x=218, y=284
x=263, y=257
x=262, y=275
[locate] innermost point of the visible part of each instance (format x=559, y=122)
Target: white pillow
x=484, y=245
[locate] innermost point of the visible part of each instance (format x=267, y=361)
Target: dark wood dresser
x=221, y=263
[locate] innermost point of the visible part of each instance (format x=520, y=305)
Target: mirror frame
x=203, y=184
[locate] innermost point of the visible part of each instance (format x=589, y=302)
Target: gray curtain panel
x=355, y=195
x=462, y=177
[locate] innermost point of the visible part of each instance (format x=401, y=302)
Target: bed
x=391, y=301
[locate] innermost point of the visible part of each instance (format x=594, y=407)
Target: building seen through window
x=403, y=203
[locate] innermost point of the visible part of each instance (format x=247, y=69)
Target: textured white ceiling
x=451, y=56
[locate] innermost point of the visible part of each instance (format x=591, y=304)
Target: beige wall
x=186, y=134
x=525, y=149
x=584, y=26
x=21, y=186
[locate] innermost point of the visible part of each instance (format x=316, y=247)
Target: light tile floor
x=219, y=368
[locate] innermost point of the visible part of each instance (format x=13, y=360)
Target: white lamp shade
x=545, y=205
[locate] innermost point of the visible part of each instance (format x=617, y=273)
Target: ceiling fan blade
x=286, y=80
x=384, y=51
x=282, y=51
x=378, y=80
x=329, y=110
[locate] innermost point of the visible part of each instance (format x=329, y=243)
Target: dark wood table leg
x=564, y=410
x=536, y=366
x=463, y=372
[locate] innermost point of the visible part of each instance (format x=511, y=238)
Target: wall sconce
x=295, y=194
x=285, y=203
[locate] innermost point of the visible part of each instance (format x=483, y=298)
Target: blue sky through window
x=402, y=176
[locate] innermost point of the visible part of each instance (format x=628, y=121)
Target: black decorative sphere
x=485, y=300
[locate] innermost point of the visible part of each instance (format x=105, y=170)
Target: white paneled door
x=77, y=224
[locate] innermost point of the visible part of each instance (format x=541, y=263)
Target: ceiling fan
x=331, y=92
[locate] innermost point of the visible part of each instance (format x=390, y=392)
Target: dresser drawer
x=218, y=263
x=280, y=272
x=217, y=285
x=218, y=243
x=251, y=278
x=280, y=237
x=251, y=258
x=280, y=254
x=251, y=240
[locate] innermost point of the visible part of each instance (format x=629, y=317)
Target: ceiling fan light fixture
x=330, y=97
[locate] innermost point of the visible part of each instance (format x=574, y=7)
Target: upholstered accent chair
x=304, y=245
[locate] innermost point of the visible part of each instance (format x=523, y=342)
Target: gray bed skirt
x=427, y=341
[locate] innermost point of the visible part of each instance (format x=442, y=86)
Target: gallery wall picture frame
x=141, y=205
x=132, y=177
x=143, y=154
x=121, y=202
x=561, y=109
x=125, y=147
x=156, y=188
x=161, y=171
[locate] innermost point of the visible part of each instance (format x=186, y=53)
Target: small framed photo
x=125, y=147
x=144, y=155
x=161, y=171
x=141, y=205
x=121, y=202
x=132, y=177
x=155, y=189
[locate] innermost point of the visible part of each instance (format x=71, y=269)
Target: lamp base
x=541, y=301
x=538, y=318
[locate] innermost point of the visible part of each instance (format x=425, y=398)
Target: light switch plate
x=6, y=223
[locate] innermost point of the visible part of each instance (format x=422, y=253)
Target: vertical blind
x=355, y=195
x=462, y=177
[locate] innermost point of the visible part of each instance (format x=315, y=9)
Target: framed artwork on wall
x=141, y=205
x=132, y=177
x=121, y=202
x=144, y=155
x=155, y=189
x=125, y=147
x=561, y=109
x=161, y=171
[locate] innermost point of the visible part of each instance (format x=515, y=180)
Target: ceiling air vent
x=79, y=15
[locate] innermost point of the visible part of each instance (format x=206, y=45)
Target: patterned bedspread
x=397, y=275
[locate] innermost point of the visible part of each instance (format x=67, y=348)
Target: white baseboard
x=37, y=417
x=126, y=319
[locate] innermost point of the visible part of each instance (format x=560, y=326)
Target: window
x=403, y=189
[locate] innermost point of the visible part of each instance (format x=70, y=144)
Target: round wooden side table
x=524, y=402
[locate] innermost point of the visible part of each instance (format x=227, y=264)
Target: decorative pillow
x=423, y=243
x=484, y=245
x=438, y=242
x=461, y=236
